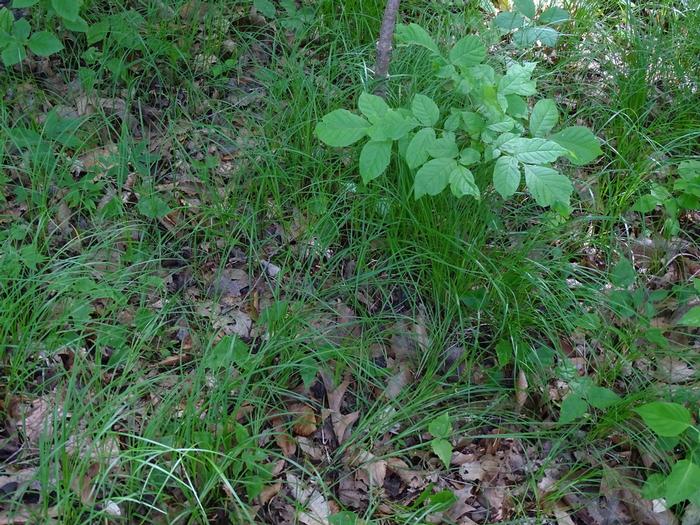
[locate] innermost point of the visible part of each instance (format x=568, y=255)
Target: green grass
x=97, y=301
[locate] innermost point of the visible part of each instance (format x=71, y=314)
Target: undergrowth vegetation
x=217, y=306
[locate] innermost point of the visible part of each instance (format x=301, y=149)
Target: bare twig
x=386, y=35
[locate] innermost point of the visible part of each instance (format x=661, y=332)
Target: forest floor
x=206, y=317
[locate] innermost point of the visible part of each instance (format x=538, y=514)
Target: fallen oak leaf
x=318, y=510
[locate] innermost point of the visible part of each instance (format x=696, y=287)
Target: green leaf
x=509, y=20
x=517, y=81
x=344, y=518
x=547, y=185
x=572, y=408
x=265, y=8
x=417, y=151
x=229, y=351
x=691, y=317
x=462, y=182
x=13, y=54
x=21, y=4
x=425, y=110
x=441, y=426
x=526, y=7
x=517, y=107
x=544, y=117
x=433, y=177
x=392, y=126
x=504, y=353
x=553, y=16
x=654, y=486
x=68, y=9
x=469, y=156
x=506, y=176
x=473, y=123
x=646, y=204
x=443, y=450
x=533, y=151
x=374, y=159
x=666, y=419
x=445, y=146
x=372, y=107
x=682, y=482
x=79, y=25
x=341, y=128
x=600, y=397
x=468, y=51
x=21, y=29
x=153, y=207
x=530, y=35
x=623, y=274
x=581, y=143
x=44, y=43
x=415, y=34
x=97, y=32
x=689, y=169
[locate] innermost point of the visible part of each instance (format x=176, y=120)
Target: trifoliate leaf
x=529, y=36
x=553, y=16
x=517, y=80
x=508, y=21
x=392, y=126
x=445, y=146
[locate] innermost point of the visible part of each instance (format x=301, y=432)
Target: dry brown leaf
x=561, y=514
x=311, y=449
x=317, y=509
x=374, y=467
x=284, y=441
x=674, y=371
x=457, y=512
x=397, y=382
x=269, y=492
x=36, y=418
x=414, y=479
x=304, y=416
x=102, y=159
x=521, y=389
x=471, y=471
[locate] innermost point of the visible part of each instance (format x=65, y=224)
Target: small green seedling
x=441, y=430
x=529, y=27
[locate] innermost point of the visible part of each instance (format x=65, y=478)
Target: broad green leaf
x=97, y=32
x=21, y=4
x=341, y=128
x=425, y=110
x=689, y=169
x=572, y=408
x=229, y=351
x=646, y=204
x=502, y=126
x=600, y=397
x=445, y=146
x=344, y=518
x=504, y=353
x=691, y=317
x=417, y=151
x=374, y=159
x=581, y=143
x=517, y=81
x=21, y=29
x=44, y=43
x=13, y=54
x=415, y=34
x=682, y=482
x=79, y=25
x=265, y=8
x=517, y=107
x=453, y=122
x=534, y=151
x=473, y=123
x=372, y=107
x=547, y=185
x=392, y=126
x=68, y=9
x=654, y=487
x=506, y=176
x=623, y=273
x=462, y=183
x=441, y=426
x=433, y=177
x=468, y=51
x=529, y=36
x=153, y=207
x=508, y=20
x=543, y=118
x=469, y=156
x=526, y=7
x=553, y=16
x=443, y=450
x=665, y=419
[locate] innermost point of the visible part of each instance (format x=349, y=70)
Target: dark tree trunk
x=384, y=46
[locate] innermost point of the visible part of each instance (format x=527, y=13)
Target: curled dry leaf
x=304, y=417
x=312, y=450
x=269, y=492
x=374, y=467
x=284, y=441
x=521, y=389
x=36, y=418
x=397, y=382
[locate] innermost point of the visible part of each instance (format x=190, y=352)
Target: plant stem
x=384, y=48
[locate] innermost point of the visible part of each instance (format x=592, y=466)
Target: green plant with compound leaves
x=529, y=27
x=494, y=131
